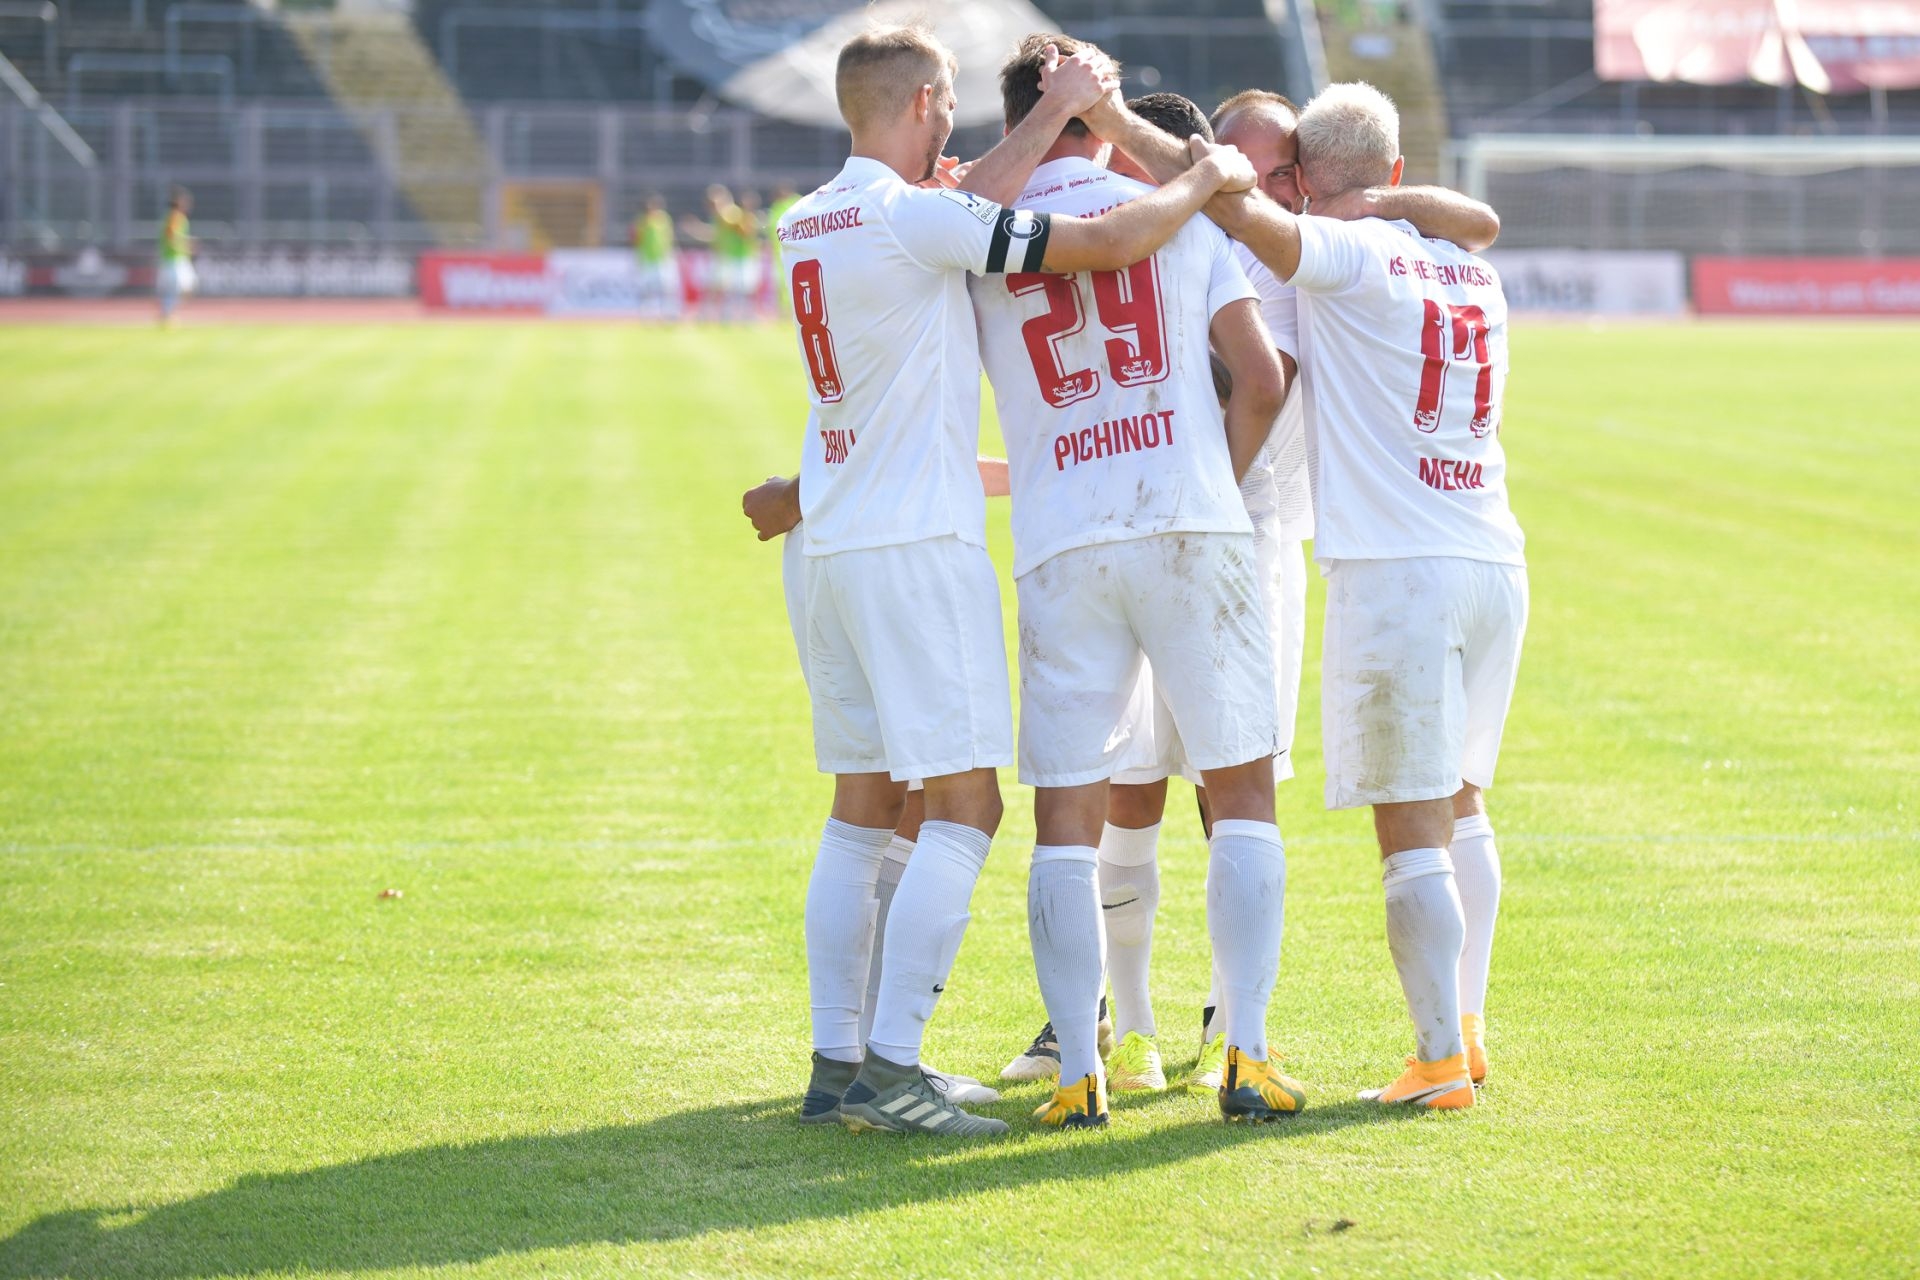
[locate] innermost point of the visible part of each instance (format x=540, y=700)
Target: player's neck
x=1070, y=147
x=905, y=155
x=1347, y=205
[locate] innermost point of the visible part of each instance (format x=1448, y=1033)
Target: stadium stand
x=508, y=124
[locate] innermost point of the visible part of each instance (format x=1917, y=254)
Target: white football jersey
x=1104, y=385
x=1275, y=487
x=1404, y=356
x=877, y=269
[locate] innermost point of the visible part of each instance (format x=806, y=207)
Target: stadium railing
x=309, y=173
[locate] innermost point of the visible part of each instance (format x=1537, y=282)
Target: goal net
x=1739, y=195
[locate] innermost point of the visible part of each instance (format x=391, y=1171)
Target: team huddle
x=1192, y=379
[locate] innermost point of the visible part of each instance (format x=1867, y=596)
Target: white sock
x=924, y=928
x=1476, y=872
x=1213, y=1019
x=1424, y=932
x=1246, y=899
x=1129, y=897
x=891, y=868
x=840, y=933
x=1063, y=926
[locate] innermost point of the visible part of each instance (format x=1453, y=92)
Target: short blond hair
x=1349, y=137
x=881, y=70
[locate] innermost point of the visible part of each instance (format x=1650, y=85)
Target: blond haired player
x=1131, y=543
x=1404, y=356
x=905, y=662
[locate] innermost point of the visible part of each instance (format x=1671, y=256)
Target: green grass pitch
x=292, y=616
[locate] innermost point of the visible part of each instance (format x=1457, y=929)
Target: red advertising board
x=1806, y=286
x=511, y=282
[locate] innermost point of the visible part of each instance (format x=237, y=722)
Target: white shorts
x=1186, y=602
x=906, y=661
x=176, y=279
x=1416, y=675
x=660, y=283
x=793, y=585
x=1151, y=747
x=739, y=277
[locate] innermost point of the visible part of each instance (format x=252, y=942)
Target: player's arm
x=1256, y=382
x=1151, y=147
x=773, y=506
x=994, y=481
x=1438, y=213
x=1262, y=225
x=1123, y=236
x=1068, y=87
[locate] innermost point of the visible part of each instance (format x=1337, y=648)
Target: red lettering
x=1448, y=474
x=1114, y=436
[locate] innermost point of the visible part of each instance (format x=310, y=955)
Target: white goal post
x=1708, y=194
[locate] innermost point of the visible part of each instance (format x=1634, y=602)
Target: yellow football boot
x=1211, y=1066
x=1135, y=1064
x=1080, y=1105
x=1256, y=1092
x=1442, y=1085
x=1473, y=1029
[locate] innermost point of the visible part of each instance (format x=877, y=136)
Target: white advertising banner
x=1593, y=281
x=594, y=282
x=306, y=273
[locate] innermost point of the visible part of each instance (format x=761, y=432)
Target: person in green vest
x=751, y=225
x=659, y=264
x=783, y=200
x=727, y=229
x=173, y=276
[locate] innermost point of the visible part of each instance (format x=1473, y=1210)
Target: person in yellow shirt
x=174, y=278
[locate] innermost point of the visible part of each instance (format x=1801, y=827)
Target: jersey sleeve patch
x=1019, y=241
x=983, y=209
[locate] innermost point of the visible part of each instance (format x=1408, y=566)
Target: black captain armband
x=1019, y=240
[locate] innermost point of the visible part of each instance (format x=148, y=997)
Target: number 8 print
x=816, y=341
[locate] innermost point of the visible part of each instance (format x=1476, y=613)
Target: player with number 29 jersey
x=1115, y=440
x=1104, y=390
x=895, y=424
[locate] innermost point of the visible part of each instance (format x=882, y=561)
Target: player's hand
x=1232, y=169
x=947, y=173
x=1079, y=82
x=773, y=507
x=1105, y=115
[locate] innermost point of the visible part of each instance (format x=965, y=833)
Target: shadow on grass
x=716, y=1169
